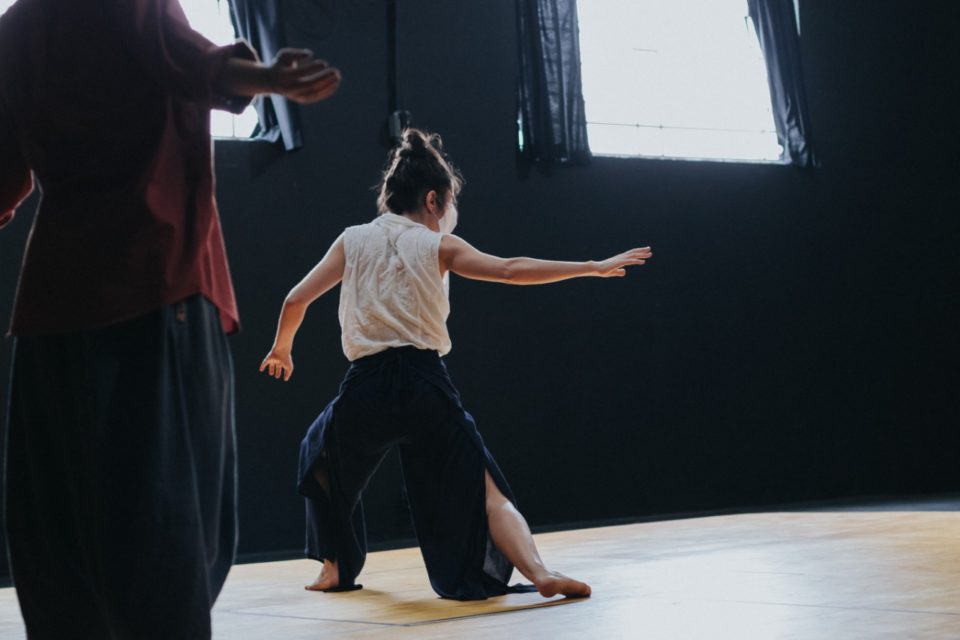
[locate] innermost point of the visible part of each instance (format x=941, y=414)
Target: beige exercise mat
x=396, y=592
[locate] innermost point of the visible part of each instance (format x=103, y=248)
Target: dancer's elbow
x=295, y=300
x=510, y=270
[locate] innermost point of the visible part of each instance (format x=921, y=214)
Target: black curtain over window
x=553, y=126
x=259, y=22
x=777, y=28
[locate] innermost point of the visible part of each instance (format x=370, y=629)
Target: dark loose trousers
x=405, y=397
x=121, y=477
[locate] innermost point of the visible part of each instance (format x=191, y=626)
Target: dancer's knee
x=495, y=498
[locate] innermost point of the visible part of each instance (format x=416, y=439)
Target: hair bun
x=415, y=166
x=413, y=139
x=420, y=141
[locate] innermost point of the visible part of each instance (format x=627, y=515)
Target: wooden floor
x=819, y=575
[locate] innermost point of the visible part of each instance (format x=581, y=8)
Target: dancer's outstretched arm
x=459, y=256
x=323, y=277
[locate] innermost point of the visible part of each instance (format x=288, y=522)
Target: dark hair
x=415, y=167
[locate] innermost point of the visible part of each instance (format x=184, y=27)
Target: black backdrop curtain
x=553, y=126
x=260, y=22
x=777, y=28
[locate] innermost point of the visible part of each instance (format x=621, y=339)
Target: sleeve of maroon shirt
x=16, y=181
x=184, y=62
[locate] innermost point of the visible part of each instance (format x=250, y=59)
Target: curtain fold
x=551, y=119
x=778, y=30
x=260, y=22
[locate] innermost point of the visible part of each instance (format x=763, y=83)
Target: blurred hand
x=277, y=364
x=615, y=267
x=298, y=77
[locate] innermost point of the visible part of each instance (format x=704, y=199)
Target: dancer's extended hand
x=298, y=77
x=614, y=267
x=278, y=363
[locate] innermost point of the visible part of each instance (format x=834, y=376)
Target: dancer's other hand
x=297, y=76
x=615, y=267
x=278, y=363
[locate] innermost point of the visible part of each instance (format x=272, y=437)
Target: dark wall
x=794, y=337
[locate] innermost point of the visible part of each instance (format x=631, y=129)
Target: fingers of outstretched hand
x=306, y=72
x=290, y=79
x=622, y=261
x=632, y=258
x=289, y=56
x=316, y=87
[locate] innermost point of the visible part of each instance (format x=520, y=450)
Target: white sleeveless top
x=392, y=294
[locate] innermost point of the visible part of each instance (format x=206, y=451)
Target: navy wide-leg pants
x=121, y=477
x=404, y=397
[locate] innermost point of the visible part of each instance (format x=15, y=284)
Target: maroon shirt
x=108, y=102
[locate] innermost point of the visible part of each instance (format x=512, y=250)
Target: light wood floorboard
x=830, y=575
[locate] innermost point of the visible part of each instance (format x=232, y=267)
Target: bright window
x=4, y=5
x=675, y=78
x=212, y=19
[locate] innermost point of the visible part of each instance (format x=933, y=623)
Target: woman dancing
x=393, y=273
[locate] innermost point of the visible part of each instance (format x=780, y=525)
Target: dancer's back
x=392, y=294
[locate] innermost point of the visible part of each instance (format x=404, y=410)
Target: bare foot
x=553, y=583
x=329, y=577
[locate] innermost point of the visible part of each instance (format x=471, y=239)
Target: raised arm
x=323, y=277
x=294, y=74
x=458, y=256
x=191, y=68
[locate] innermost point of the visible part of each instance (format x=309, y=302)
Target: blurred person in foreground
x=121, y=475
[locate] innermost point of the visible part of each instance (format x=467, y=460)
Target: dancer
x=120, y=489
x=393, y=309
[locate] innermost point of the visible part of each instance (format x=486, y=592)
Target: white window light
x=212, y=19
x=675, y=79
